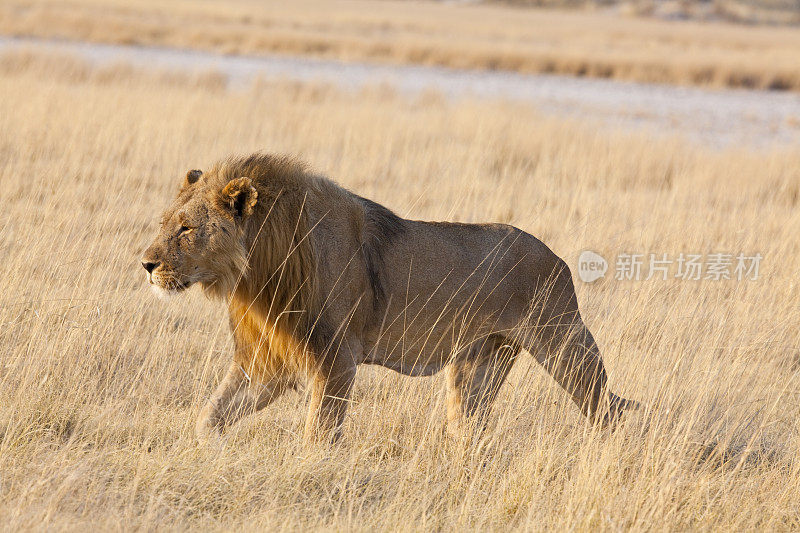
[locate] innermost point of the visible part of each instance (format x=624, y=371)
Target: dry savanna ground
x=100, y=382
x=498, y=37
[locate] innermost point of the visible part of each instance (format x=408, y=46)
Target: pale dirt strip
x=714, y=117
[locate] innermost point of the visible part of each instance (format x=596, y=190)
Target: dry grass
x=460, y=36
x=738, y=11
x=99, y=383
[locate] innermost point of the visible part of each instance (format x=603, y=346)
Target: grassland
x=100, y=383
x=783, y=12
x=496, y=37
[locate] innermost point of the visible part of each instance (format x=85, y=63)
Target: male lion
x=319, y=280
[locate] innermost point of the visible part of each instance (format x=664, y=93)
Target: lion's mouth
x=170, y=284
x=176, y=285
x=180, y=286
x=167, y=291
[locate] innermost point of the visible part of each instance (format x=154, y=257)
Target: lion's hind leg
x=566, y=349
x=474, y=379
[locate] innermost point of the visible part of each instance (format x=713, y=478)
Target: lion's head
x=201, y=235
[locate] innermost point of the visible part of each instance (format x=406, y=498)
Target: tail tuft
x=617, y=407
x=624, y=404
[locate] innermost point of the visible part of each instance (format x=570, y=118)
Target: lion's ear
x=240, y=196
x=191, y=177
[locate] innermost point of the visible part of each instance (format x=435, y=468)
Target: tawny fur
x=319, y=280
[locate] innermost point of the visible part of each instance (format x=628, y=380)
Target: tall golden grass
x=100, y=383
x=495, y=37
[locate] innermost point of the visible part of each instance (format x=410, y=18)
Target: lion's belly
x=406, y=367
x=420, y=339
x=418, y=349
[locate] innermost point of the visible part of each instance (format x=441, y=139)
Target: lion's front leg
x=330, y=387
x=234, y=398
x=328, y=404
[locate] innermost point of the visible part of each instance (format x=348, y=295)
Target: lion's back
x=447, y=263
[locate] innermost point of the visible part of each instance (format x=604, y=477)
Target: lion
x=319, y=280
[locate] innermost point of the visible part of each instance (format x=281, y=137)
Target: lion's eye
x=184, y=230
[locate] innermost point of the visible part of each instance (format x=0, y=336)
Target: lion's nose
x=150, y=266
